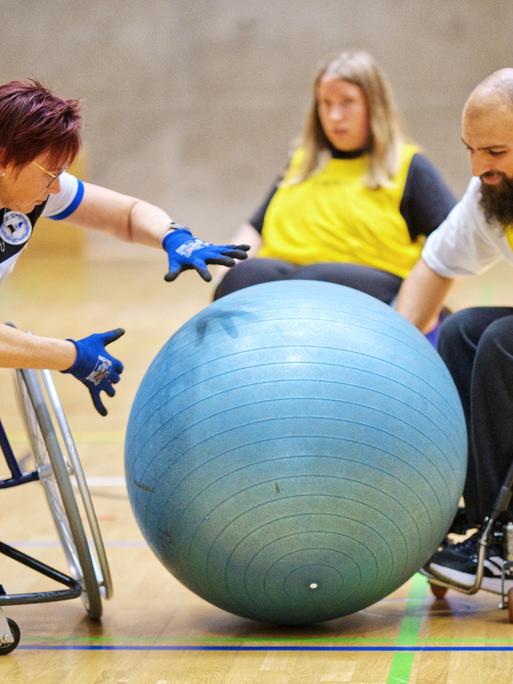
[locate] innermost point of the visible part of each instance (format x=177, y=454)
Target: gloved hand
x=95, y=367
x=185, y=251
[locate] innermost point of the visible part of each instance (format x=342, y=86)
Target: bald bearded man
x=477, y=343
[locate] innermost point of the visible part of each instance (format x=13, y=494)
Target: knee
x=251, y=272
x=497, y=340
x=234, y=279
x=456, y=328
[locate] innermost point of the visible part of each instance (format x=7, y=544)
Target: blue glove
x=95, y=367
x=186, y=251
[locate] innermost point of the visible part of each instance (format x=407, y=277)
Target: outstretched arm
x=134, y=220
x=124, y=217
x=421, y=296
x=86, y=359
x=19, y=349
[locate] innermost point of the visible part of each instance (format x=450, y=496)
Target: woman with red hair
x=39, y=138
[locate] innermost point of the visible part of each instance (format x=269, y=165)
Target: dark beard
x=497, y=201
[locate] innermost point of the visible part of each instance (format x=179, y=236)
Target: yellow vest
x=333, y=217
x=508, y=232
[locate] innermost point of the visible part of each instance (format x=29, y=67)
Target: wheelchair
x=57, y=466
x=490, y=529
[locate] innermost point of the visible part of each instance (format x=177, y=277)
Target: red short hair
x=33, y=121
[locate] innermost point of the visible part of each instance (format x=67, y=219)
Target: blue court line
x=191, y=647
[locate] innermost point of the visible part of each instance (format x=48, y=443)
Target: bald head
x=487, y=132
x=495, y=92
x=487, y=126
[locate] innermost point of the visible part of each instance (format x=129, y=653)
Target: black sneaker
x=458, y=562
x=468, y=546
x=460, y=524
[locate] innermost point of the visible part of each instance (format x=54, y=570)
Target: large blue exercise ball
x=295, y=452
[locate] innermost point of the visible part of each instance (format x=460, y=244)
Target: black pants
x=477, y=347
x=379, y=284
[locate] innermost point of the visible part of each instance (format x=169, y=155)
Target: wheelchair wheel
x=78, y=477
x=15, y=631
x=54, y=474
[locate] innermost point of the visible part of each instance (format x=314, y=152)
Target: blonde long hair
x=358, y=67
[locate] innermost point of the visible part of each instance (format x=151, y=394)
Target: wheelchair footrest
x=73, y=591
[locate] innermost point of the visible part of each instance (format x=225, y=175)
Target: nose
x=336, y=113
x=480, y=164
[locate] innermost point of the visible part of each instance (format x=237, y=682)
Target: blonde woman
x=356, y=200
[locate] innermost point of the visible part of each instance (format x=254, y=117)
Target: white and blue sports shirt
x=16, y=228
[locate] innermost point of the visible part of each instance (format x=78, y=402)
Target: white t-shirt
x=465, y=243
x=16, y=228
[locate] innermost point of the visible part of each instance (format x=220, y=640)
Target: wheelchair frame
x=440, y=585
x=58, y=468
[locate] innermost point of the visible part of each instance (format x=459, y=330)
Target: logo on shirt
x=15, y=228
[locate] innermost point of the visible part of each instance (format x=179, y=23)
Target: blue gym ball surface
x=295, y=452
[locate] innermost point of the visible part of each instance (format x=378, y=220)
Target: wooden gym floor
x=155, y=631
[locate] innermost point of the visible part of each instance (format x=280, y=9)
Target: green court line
x=409, y=630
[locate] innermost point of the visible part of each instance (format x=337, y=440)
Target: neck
x=348, y=154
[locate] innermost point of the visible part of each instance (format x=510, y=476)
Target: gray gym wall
x=192, y=104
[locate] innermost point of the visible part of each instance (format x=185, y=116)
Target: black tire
x=15, y=631
x=53, y=473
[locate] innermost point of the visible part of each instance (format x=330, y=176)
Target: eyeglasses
x=53, y=176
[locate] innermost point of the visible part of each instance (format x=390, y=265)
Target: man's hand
x=185, y=251
x=95, y=367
